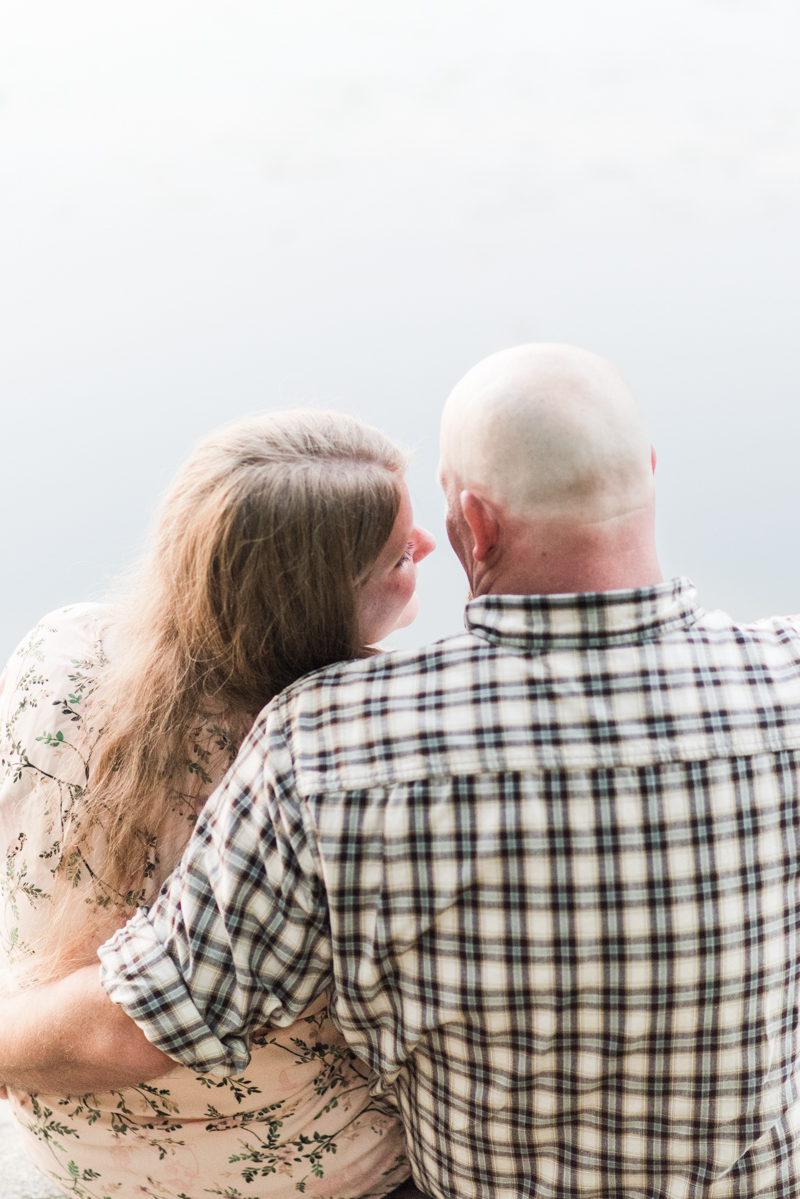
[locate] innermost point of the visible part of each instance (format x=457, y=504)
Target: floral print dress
x=301, y=1121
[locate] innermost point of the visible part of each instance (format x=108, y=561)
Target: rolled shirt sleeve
x=239, y=935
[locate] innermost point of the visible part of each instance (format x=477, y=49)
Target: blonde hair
x=251, y=581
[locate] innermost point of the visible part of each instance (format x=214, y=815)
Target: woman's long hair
x=251, y=581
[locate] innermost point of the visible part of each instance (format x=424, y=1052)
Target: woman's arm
x=67, y=1037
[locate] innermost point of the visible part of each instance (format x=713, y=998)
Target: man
x=547, y=870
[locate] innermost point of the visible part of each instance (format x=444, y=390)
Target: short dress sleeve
x=46, y=740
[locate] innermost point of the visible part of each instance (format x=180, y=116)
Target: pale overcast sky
x=210, y=208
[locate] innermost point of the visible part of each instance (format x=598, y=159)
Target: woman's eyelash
x=406, y=553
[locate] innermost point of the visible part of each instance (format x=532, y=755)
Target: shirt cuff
x=137, y=973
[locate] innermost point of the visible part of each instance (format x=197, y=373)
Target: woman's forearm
x=67, y=1037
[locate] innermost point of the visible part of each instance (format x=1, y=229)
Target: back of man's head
x=547, y=468
x=548, y=428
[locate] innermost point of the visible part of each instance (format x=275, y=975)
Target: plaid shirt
x=548, y=872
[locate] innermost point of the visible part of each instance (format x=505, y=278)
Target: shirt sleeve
x=239, y=935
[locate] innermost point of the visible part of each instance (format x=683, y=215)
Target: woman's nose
x=424, y=543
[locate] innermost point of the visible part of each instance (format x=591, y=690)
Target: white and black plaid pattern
x=548, y=871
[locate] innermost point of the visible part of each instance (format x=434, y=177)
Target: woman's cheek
x=408, y=614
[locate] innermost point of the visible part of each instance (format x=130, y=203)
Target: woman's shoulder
x=44, y=735
x=73, y=630
x=58, y=658
x=73, y=620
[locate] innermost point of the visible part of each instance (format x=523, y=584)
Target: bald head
x=548, y=429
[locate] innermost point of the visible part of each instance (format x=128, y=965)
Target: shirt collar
x=589, y=619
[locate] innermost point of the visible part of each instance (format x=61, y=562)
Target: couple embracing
x=518, y=910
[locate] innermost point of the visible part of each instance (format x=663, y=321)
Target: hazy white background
x=209, y=208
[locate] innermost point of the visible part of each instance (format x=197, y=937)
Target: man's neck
x=550, y=558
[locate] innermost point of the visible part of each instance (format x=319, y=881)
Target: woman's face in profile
x=388, y=598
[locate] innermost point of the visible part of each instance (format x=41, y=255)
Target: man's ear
x=653, y=458
x=483, y=524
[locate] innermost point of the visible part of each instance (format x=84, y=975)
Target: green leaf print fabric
x=302, y=1122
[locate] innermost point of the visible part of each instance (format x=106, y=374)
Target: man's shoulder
x=766, y=636
x=359, y=723
x=464, y=705
x=442, y=663
x=781, y=627
x=344, y=682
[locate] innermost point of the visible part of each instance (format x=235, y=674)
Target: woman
x=286, y=543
